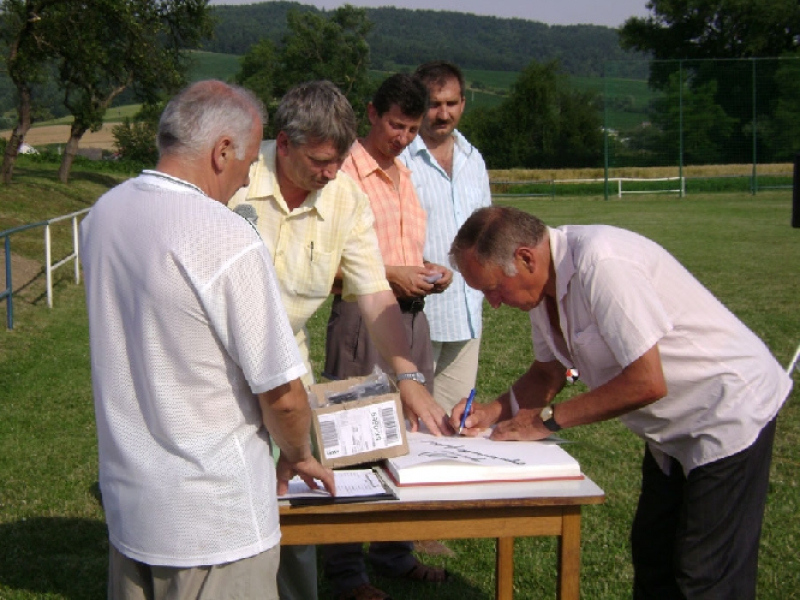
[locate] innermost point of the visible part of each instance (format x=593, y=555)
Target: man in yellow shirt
x=316, y=222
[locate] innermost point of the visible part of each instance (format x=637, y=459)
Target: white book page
x=349, y=484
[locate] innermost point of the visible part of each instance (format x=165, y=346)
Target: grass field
x=52, y=534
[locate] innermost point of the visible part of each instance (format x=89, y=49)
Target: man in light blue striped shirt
x=451, y=181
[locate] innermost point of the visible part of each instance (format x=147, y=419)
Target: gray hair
x=494, y=233
x=317, y=112
x=204, y=112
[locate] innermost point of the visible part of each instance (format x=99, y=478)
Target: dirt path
x=23, y=270
x=59, y=134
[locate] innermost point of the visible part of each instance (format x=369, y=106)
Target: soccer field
x=742, y=247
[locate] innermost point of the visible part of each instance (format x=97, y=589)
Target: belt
x=411, y=305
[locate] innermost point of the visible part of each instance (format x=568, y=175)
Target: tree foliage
x=120, y=44
x=99, y=48
x=699, y=39
x=257, y=72
x=22, y=30
x=332, y=47
x=542, y=124
x=135, y=139
x=692, y=29
x=401, y=37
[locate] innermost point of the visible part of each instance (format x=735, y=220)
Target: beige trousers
x=247, y=579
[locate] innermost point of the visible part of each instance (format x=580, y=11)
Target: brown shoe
x=366, y=591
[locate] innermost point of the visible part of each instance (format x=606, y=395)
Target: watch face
x=547, y=413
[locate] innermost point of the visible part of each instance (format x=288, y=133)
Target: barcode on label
x=330, y=437
x=389, y=424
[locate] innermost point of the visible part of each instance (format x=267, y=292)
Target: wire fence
x=741, y=115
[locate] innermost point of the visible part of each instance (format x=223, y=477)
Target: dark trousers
x=349, y=352
x=697, y=537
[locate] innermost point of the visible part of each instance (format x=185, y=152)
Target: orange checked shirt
x=400, y=220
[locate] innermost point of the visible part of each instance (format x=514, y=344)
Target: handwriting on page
x=458, y=451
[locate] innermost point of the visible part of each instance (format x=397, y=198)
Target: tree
x=694, y=29
x=784, y=127
x=22, y=28
x=257, y=72
x=701, y=36
x=135, y=139
x=317, y=46
x=118, y=44
x=100, y=48
x=702, y=131
x=542, y=124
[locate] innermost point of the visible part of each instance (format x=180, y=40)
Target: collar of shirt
x=461, y=145
x=366, y=165
x=562, y=260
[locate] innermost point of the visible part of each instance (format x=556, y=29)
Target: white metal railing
x=681, y=186
x=74, y=256
x=619, y=180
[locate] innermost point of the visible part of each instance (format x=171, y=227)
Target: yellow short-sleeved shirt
x=334, y=227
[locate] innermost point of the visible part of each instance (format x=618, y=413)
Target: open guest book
x=435, y=460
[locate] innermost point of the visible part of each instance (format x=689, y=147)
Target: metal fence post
x=76, y=248
x=795, y=193
x=48, y=270
x=9, y=293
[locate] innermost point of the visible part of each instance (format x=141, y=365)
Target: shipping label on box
x=358, y=431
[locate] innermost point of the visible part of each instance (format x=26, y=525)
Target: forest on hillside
x=408, y=37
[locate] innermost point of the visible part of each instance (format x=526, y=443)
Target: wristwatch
x=548, y=417
x=415, y=376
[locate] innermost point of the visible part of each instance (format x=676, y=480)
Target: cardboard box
x=358, y=431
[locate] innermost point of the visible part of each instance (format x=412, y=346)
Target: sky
x=611, y=13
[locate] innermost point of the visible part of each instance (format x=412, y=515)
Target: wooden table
x=495, y=510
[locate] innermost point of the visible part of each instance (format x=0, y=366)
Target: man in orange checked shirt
x=395, y=115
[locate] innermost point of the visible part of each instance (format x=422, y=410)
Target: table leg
x=569, y=555
x=504, y=569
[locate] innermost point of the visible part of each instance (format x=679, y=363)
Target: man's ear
x=224, y=152
x=372, y=114
x=526, y=256
x=282, y=142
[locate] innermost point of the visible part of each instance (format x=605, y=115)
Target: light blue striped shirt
x=455, y=314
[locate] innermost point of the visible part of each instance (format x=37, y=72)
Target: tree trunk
x=18, y=135
x=75, y=134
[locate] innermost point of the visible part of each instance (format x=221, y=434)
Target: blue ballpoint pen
x=466, y=410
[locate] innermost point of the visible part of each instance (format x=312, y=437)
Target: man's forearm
x=384, y=322
x=640, y=383
x=538, y=385
x=287, y=417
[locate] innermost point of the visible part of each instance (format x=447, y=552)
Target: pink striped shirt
x=400, y=220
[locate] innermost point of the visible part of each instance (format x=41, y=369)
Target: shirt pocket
x=593, y=357
x=310, y=272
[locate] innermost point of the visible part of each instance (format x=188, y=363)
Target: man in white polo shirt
x=194, y=365
x=661, y=353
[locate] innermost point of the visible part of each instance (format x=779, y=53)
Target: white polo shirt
x=618, y=295
x=186, y=323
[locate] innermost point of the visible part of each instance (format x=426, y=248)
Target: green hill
x=410, y=37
